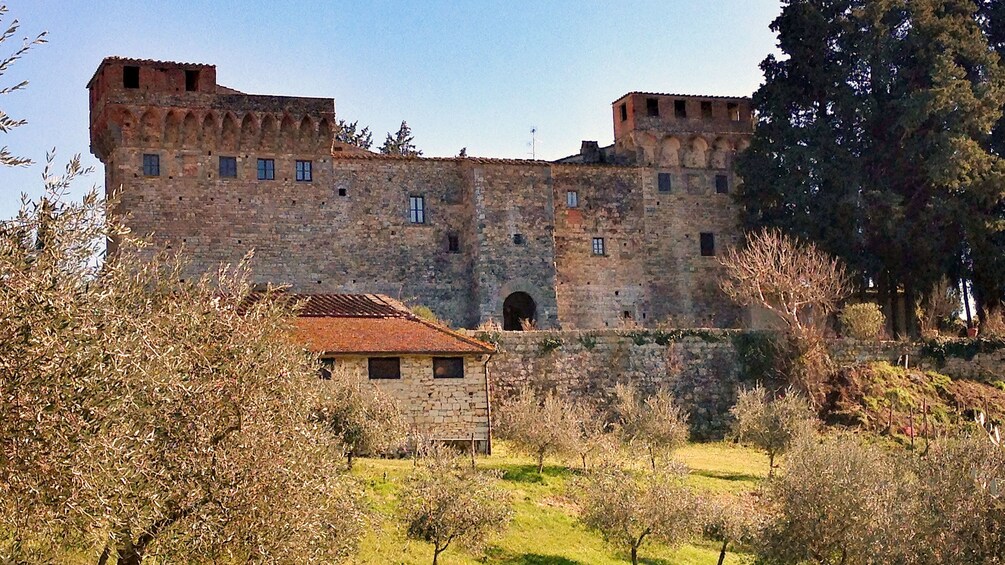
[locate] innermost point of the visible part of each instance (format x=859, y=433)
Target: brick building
x=612, y=234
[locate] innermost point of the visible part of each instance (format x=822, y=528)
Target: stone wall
x=446, y=409
x=702, y=368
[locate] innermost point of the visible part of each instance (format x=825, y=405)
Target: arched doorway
x=518, y=306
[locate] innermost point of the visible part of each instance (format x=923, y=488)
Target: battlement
x=141, y=102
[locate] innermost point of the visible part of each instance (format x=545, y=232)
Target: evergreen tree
x=873, y=137
x=401, y=144
x=346, y=133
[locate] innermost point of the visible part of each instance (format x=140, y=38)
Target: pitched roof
x=367, y=324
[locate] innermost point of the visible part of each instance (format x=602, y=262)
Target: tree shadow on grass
x=501, y=556
x=745, y=477
x=529, y=474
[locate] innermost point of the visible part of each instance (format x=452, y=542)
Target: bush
x=862, y=321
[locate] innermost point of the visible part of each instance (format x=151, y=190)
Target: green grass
x=545, y=529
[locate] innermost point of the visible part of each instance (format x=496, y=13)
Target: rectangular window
x=325, y=371
x=518, y=239
x=453, y=243
x=652, y=107
x=151, y=165
x=448, y=367
x=572, y=199
x=417, y=209
x=664, y=182
x=706, y=110
x=624, y=111
x=304, y=171
x=721, y=184
x=228, y=167
x=680, y=108
x=191, y=81
x=131, y=77
x=383, y=367
x=266, y=169
x=598, y=246
x=707, y=245
x=733, y=109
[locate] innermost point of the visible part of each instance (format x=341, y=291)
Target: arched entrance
x=518, y=306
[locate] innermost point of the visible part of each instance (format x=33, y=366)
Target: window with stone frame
x=707, y=244
x=417, y=209
x=453, y=243
x=448, y=367
x=652, y=107
x=130, y=77
x=151, y=165
x=228, y=167
x=664, y=182
x=706, y=110
x=721, y=184
x=623, y=109
x=598, y=246
x=572, y=199
x=266, y=169
x=304, y=172
x=383, y=368
x=680, y=108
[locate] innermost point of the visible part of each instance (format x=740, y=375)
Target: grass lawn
x=544, y=529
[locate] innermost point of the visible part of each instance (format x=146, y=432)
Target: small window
x=652, y=107
x=448, y=367
x=706, y=110
x=228, y=167
x=598, y=246
x=664, y=182
x=733, y=109
x=191, y=81
x=680, y=108
x=707, y=245
x=417, y=209
x=453, y=243
x=384, y=367
x=304, y=171
x=325, y=371
x=721, y=184
x=518, y=239
x=266, y=169
x=131, y=77
x=341, y=192
x=624, y=111
x=572, y=199
x=151, y=165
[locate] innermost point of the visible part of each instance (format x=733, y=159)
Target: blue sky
x=463, y=74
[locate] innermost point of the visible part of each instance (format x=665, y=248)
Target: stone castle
x=625, y=234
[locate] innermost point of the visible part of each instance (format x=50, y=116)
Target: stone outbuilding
x=438, y=376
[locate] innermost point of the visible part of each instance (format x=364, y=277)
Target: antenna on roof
x=533, y=142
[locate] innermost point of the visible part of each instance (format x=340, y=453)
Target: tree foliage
x=346, y=132
x=656, y=421
x=629, y=509
x=401, y=143
x=146, y=414
x=771, y=424
x=873, y=131
x=539, y=426
x=8, y=123
x=445, y=501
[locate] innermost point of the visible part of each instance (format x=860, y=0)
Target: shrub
x=772, y=424
x=425, y=313
x=628, y=509
x=862, y=321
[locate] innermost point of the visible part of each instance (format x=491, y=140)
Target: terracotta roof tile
x=375, y=324
x=635, y=92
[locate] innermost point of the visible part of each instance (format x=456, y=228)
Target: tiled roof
x=362, y=324
x=128, y=61
x=627, y=94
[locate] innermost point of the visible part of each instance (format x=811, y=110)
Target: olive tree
x=596, y=438
x=771, y=423
x=629, y=508
x=147, y=413
x=731, y=518
x=444, y=502
x=657, y=422
x=539, y=427
x=362, y=418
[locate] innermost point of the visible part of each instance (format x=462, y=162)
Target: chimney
x=590, y=150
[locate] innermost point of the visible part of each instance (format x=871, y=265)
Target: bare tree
x=630, y=508
x=771, y=423
x=363, y=419
x=446, y=501
x=540, y=427
x=656, y=421
x=164, y=415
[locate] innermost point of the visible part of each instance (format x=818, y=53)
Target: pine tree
x=401, y=143
x=346, y=133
